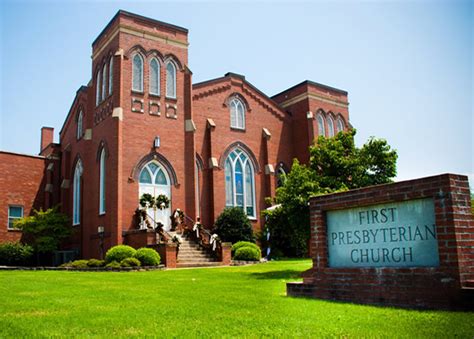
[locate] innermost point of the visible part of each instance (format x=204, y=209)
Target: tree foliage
x=44, y=230
x=233, y=225
x=336, y=164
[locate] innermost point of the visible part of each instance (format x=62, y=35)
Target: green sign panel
x=401, y=234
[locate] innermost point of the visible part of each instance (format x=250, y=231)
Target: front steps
x=191, y=254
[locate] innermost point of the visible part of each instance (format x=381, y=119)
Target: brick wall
x=416, y=286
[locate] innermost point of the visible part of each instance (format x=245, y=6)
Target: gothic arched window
x=111, y=74
x=137, y=73
x=79, y=131
x=237, y=114
x=330, y=127
x=102, y=182
x=170, y=80
x=321, y=127
x=154, y=77
x=340, y=125
x=240, y=182
x=76, y=199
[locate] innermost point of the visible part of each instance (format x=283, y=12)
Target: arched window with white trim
x=102, y=182
x=340, y=125
x=280, y=176
x=330, y=127
x=170, y=80
x=76, y=191
x=111, y=74
x=137, y=73
x=240, y=182
x=154, y=76
x=237, y=114
x=97, y=89
x=79, y=130
x=321, y=127
x=104, y=81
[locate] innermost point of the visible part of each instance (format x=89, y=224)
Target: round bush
x=240, y=244
x=95, y=263
x=15, y=253
x=232, y=225
x=148, y=256
x=130, y=262
x=79, y=264
x=247, y=254
x=119, y=252
x=113, y=264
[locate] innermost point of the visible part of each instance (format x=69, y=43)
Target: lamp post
x=100, y=230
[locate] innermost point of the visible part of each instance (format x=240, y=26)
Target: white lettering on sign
x=401, y=234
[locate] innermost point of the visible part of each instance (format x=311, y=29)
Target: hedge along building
x=141, y=126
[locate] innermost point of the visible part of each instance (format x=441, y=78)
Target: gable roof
x=78, y=92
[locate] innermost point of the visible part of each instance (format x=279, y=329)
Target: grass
x=231, y=301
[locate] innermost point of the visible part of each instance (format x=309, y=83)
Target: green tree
x=336, y=164
x=44, y=230
x=233, y=225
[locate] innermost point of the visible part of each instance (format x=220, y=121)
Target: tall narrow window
x=14, y=213
x=321, y=129
x=197, y=183
x=237, y=114
x=330, y=127
x=154, y=77
x=280, y=176
x=137, y=73
x=79, y=131
x=111, y=74
x=239, y=182
x=76, y=199
x=340, y=125
x=104, y=81
x=97, y=89
x=102, y=182
x=170, y=80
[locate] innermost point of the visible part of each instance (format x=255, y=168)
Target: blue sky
x=407, y=65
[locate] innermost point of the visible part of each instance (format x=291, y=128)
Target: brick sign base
x=450, y=285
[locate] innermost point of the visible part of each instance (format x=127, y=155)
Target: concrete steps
x=191, y=254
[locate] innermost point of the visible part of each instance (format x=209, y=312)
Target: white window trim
x=111, y=74
x=80, y=130
x=169, y=62
x=331, y=129
x=244, y=191
x=97, y=86
x=340, y=125
x=102, y=182
x=139, y=90
x=158, y=76
x=76, y=199
x=104, y=82
x=236, y=117
x=320, y=116
x=8, y=219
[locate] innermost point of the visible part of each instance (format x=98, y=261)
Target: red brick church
x=142, y=126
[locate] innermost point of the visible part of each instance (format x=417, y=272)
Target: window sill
x=101, y=214
x=252, y=218
x=13, y=230
x=237, y=129
x=154, y=95
x=172, y=99
x=76, y=225
x=134, y=91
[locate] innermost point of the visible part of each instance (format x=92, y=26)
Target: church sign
x=399, y=234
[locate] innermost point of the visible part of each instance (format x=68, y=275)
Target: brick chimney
x=47, y=134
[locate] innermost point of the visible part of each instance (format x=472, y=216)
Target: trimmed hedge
x=113, y=264
x=15, y=254
x=118, y=253
x=96, y=263
x=233, y=225
x=241, y=244
x=247, y=254
x=79, y=264
x=147, y=256
x=130, y=262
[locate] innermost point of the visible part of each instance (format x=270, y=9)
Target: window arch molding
x=246, y=149
x=340, y=123
x=138, y=70
x=171, y=72
x=321, y=122
x=135, y=175
x=239, y=96
x=78, y=171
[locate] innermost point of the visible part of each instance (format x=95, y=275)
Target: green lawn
x=230, y=301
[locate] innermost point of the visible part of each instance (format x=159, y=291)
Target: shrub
x=130, y=262
x=118, y=253
x=79, y=264
x=247, y=254
x=15, y=253
x=232, y=225
x=241, y=244
x=95, y=263
x=113, y=264
x=148, y=256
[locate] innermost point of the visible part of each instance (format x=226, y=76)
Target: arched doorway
x=155, y=180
